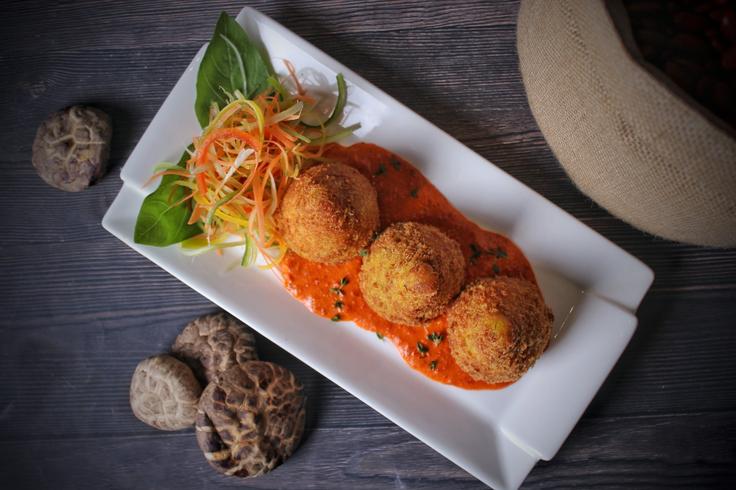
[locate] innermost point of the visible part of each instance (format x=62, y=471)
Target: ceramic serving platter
x=592, y=285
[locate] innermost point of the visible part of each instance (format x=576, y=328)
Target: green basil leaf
x=231, y=62
x=161, y=222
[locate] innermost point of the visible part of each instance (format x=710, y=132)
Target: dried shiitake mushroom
x=72, y=146
x=251, y=419
x=212, y=344
x=164, y=393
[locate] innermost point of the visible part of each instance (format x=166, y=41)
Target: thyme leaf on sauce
x=379, y=335
x=381, y=170
x=339, y=305
x=336, y=318
x=423, y=349
x=436, y=337
x=476, y=253
x=496, y=269
x=414, y=192
x=363, y=252
x=433, y=365
x=338, y=289
x=395, y=163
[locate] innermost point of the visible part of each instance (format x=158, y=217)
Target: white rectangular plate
x=593, y=286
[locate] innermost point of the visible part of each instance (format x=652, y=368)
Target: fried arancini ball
x=329, y=213
x=411, y=273
x=498, y=328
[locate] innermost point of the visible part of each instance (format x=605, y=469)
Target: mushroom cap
x=212, y=344
x=251, y=420
x=72, y=146
x=164, y=393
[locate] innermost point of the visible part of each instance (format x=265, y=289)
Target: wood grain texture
x=692, y=451
x=79, y=309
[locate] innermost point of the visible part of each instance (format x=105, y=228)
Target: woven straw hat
x=629, y=139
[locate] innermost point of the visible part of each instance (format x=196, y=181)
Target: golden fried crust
x=498, y=328
x=411, y=273
x=329, y=213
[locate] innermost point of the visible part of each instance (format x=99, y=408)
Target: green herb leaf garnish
x=500, y=253
x=395, y=163
x=162, y=219
x=363, y=252
x=344, y=281
x=433, y=365
x=336, y=318
x=414, y=193
x=379, y=335
x=496, y=269
x=339, y=305
x=381, y=170
x=231, y=62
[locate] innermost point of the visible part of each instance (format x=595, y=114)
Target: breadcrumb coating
x=411, y=273
x=329, y=213
x=498, y=328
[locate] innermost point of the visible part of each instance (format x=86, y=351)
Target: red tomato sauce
x=404, y=194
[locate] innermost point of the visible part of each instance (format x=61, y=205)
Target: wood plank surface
x=387, y=457
x=79, y=309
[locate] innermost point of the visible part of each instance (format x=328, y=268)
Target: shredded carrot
x=243, y=162
x=241, y=166
x=292, y=72
x=201, y=184
x=180, y=173
x=196, y=215
x=220, y=134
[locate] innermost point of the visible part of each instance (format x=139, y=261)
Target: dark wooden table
x=79, y=309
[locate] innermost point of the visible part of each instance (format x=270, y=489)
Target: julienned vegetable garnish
x=226, y=188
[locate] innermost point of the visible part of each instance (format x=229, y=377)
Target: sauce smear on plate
x=404, y=194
